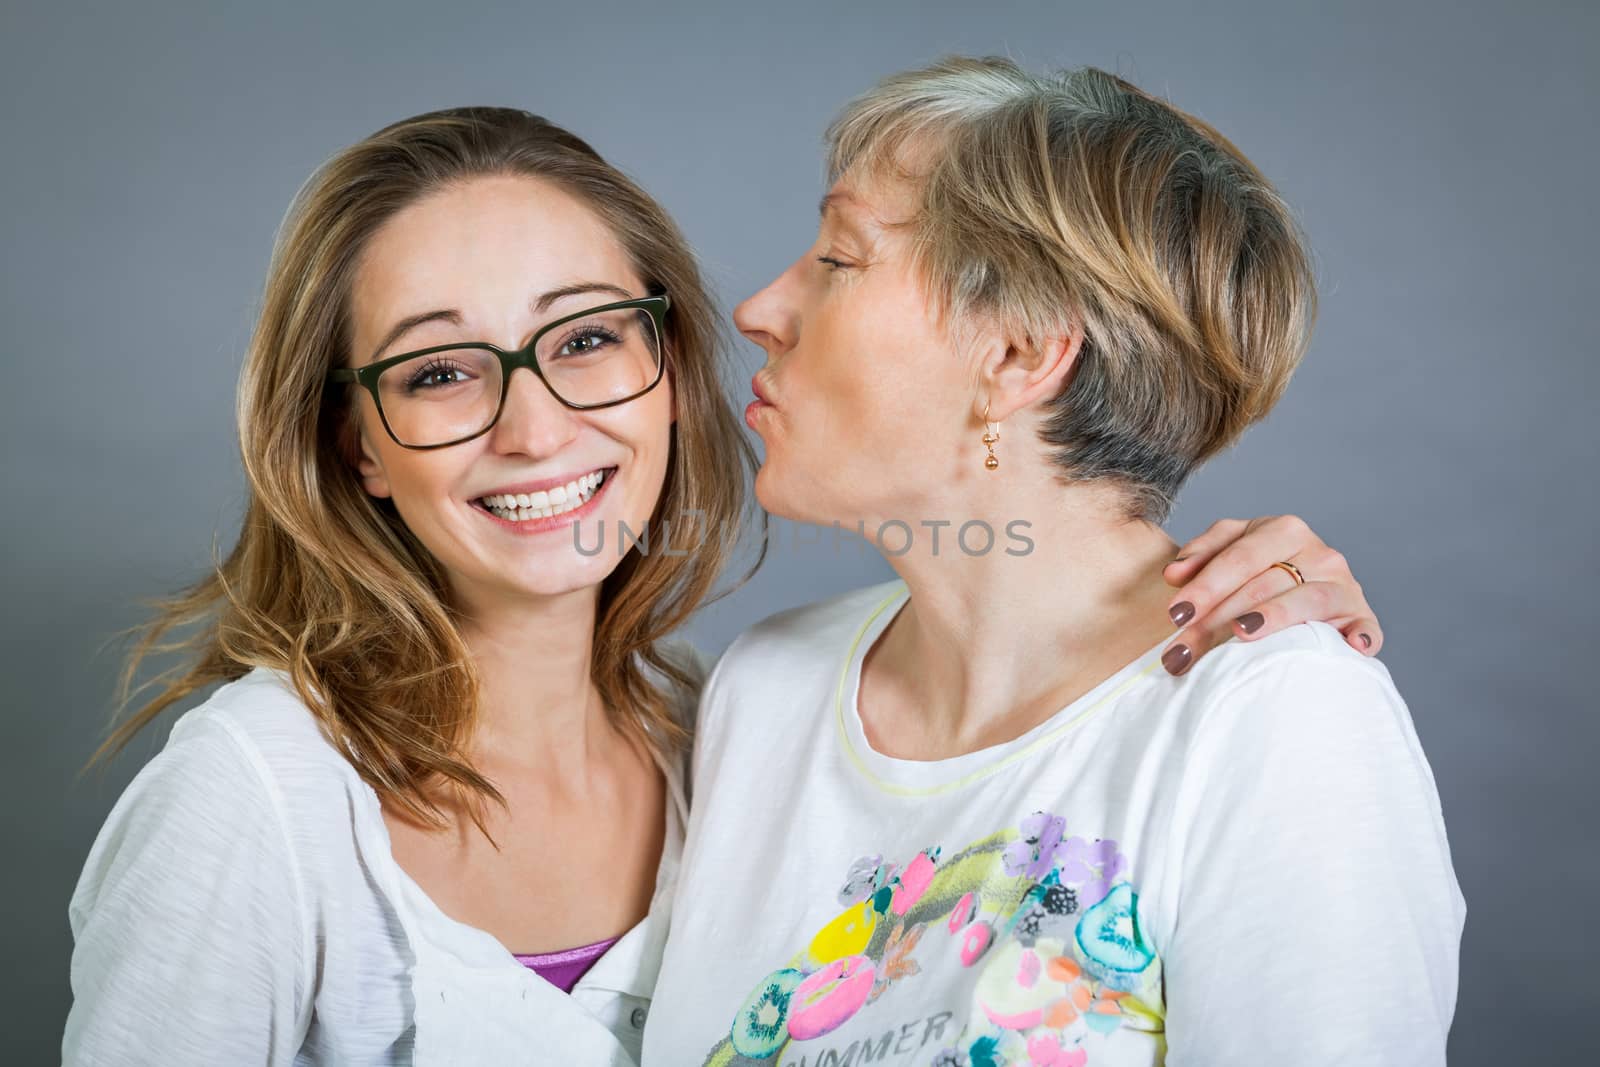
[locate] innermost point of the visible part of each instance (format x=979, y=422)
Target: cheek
x=869, y=384
x=644, y=428
x=421, y=484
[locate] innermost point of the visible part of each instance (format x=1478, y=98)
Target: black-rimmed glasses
x=447, y=394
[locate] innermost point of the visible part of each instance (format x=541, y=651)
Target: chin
x=770, y=495
x=782, y=501
x=554, y=582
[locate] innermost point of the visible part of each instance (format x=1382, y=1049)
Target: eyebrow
x=860, y=221
x=453, y=317
x=832, y=198
x=544, y=302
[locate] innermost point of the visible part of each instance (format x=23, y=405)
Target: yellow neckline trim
x=983, y=772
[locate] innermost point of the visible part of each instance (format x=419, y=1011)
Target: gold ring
x=1294, y=572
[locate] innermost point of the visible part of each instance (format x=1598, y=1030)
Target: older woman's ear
x=1018, y=373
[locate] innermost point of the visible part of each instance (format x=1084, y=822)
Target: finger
x=1192, y=643
x=1339, y=603
x=1361, y=633
x=1253, y=615
x=1281, y=537
x=1272, y=600
x=1259, y=609
x=1194, y=554
x=1335, y=600
x=1364, y=635
x=1267, y=604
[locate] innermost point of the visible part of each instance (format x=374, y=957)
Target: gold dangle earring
x=990, y=435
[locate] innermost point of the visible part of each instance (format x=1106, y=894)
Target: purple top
x=563, y=969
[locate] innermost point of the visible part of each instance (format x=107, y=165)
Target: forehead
x=885, y=182
x=482, y=241
x=874, y=204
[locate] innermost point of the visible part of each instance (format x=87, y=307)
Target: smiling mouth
x=546, y=504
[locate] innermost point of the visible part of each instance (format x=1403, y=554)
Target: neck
x=537, y=702
x=991, y=645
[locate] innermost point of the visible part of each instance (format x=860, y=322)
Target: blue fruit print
x=1112, y=945
x=762, y=1025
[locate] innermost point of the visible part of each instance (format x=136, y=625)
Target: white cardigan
x=242, y=906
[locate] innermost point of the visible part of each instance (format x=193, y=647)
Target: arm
x=1314, y=916
x=188, y=940
x=1228, y=586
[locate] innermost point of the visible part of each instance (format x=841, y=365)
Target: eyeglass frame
x=367, y=376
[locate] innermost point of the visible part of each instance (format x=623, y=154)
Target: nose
x=532, y=421
x=768, y=318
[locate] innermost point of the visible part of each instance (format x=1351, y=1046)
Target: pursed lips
x=762, y=390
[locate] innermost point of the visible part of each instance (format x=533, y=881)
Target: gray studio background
x=1442, y=157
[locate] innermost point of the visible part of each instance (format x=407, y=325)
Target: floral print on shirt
x=1045, y=925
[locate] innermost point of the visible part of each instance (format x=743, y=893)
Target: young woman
x=434, y=810
x=966, y=817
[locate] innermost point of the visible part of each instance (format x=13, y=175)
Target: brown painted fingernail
x=1176, y=659
x=1250, y=622
x=1366, y=642
x=1181, y=612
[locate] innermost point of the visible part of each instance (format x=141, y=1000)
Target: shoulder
x=804, y=637
x=1308, y=661
x=227, y=752
x=1302, y=698
x=248, y=769
x=785, y=666
x=265, y=720
x=200, y=814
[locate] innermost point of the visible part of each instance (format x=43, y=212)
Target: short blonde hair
x=1076, y=197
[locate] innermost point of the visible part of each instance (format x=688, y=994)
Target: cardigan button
x=638, y=1018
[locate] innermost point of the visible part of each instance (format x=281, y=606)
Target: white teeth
x=520, y=507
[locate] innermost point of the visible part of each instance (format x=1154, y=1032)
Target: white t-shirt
x=1242, y=866
x=241, y=906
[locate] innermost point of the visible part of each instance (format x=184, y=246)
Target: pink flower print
x=966, y=910
x=975, y=942
x=914, y=882
x=1046, y=1051
x=1034, y=855
x=1028, y=969
x=1091, y=868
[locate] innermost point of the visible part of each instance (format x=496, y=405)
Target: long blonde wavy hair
x=328, y=585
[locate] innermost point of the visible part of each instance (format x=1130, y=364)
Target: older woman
x=967, y=817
